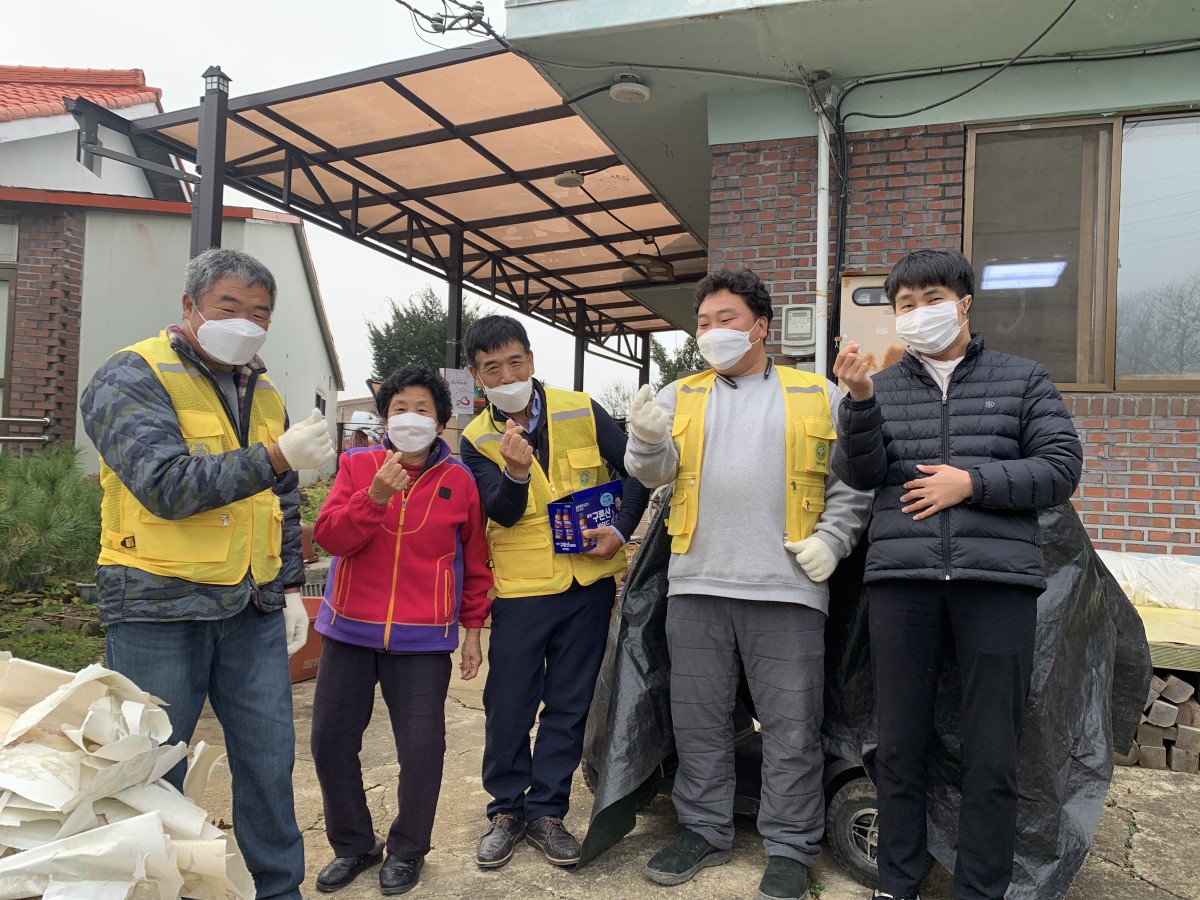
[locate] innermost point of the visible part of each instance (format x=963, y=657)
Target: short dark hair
x=416, y=376
x=491, y=333
x=931, y=268
x=742, y=282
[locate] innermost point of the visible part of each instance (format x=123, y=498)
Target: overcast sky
x=263, y=44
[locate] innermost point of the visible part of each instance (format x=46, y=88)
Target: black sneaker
x=496, y=846
x=785, y=879
x=683, y=858
x=344, y=869
x=880, y=895
x=550, y=836
x=399, y=876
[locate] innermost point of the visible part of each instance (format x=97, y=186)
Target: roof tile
x=28, y=92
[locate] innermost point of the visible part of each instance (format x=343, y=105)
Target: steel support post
x=208, y=201
x=454, y=278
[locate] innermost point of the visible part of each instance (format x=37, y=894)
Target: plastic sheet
x=1091, y=674
x=1172, y=582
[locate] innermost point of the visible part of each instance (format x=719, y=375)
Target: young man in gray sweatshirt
x=758, y=524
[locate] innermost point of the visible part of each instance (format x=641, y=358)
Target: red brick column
x=45, y=363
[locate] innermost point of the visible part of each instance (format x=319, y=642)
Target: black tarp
x=1091, y=674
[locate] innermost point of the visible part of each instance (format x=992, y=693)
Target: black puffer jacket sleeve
x=860, y=455
x=1052, y=457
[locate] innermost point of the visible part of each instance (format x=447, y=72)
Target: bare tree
x=1158, y=329
x=617, y=397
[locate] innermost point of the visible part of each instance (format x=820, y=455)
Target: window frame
x=8, y=273
x=1104, y=271
x=1102, y=294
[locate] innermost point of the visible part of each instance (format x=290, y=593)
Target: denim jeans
x=240, y=664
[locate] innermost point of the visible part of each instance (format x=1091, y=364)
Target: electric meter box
x=799, y=329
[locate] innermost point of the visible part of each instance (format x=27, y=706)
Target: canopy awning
x=407, y=157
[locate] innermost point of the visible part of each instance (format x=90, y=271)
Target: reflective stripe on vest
x=809, y=445
x=524, y=563
x=217, y=546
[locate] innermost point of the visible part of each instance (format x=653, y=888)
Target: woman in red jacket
x=405, y=523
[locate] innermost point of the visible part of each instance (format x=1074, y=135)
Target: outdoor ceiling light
x=628, y=88
x=655, y=267
x=1021, y=275
x=569, y=179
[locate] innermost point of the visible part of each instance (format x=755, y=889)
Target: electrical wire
x=645, y=240
x=1045, y=31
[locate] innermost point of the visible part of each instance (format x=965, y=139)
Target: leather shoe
x=399, y=876
x=550, y=836
x=344, y=869
x=496, y=846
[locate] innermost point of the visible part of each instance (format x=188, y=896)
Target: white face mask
x=510, y=398
x=930, y=329
x=411, y=432
x=723, y=348
x=231, y=342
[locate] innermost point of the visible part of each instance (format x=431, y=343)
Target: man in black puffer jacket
x=962, y=445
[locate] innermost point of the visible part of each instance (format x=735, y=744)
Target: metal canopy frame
x=556, y=255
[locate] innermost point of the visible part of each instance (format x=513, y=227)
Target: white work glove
x=814, y=557
x=647, y=420
x=307, y=444
x=295, y=622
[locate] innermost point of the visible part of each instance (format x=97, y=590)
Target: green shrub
x=49, y=517
x=312, y=498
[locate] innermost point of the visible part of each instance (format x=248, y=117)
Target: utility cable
x=1045, y=31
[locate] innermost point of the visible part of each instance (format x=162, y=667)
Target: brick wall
x=44, y=372
x=1141, y=471
x=1141, y=483
x=906, y=189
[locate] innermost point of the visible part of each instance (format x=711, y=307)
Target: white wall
x=133, y=265
x=40, y=153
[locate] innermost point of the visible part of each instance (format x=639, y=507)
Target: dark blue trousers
x=544, y=650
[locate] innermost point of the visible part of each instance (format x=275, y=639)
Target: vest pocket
x=810, y=512
x=203, y=432
x=677, y=513
x=679, y=426
x=813, y=444
x=579, y=468
x=522, y=552
x=202, y=538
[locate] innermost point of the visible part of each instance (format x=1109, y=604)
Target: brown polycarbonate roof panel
x=561, y=142
x=357, y=115
x=418, y=167
x=288, y=135
x=486, y=88
x=468, y=139
x=487, y=203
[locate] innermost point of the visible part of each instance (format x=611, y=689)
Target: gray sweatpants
x=782, y=648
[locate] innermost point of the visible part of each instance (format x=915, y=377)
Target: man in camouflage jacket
x=184, y=639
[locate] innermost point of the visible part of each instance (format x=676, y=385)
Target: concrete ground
x=1146, y=846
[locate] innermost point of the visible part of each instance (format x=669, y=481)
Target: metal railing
x=25, y=422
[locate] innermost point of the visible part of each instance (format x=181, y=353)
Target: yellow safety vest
x=213, y=547
x=810, y=437
x=523, y=559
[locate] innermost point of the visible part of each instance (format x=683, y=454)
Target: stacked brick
x=1169, y=735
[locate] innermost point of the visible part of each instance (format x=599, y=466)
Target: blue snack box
x=590, y=508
